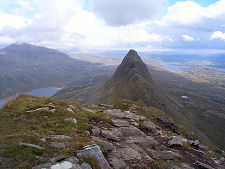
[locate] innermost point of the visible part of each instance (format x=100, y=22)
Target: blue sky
x=151, y=25
x=203, y=3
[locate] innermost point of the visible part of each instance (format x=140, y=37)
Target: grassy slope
x=204, y=98
x=17, y=125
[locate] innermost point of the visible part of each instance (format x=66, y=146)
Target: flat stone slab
x=58, y=145
x=60, y=137
x=120, y=123
x=31, y=145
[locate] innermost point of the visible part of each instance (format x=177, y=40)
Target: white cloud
x=124, y=12
x=217, y=35
x=13, y=21
x=68, y=23
x=188, y=38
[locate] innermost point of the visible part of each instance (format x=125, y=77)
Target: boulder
x=120, y=123
x=94, y=152
x=177, y=141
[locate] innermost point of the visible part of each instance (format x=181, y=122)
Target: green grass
x=19, y=126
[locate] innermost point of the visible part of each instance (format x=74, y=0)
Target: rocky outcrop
x=94, y=152
x=130, y=145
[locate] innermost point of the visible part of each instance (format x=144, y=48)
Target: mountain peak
x=132, y=81
x=132, y=55
x=132, y=65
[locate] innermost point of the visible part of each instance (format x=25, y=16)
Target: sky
x=147, y=25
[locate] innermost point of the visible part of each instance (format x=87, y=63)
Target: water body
x=42, y=92
x=178, y=68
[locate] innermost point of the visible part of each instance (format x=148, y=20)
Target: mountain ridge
x=24, y=67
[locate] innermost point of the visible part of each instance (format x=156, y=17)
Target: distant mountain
x=131, y=81
x=24, y=67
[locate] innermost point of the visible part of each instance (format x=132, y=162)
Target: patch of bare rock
x=133, y=141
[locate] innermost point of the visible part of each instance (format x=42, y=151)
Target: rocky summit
x=45, y=133
x=131, y=81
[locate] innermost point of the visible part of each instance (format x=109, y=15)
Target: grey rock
x=135, y=124
x=73, y=120
x=106, y=106
x=94, y=152
x=73, y=160
x=60, y=137
x=31, y=145
x=95, y=132
x=125, y=114
x=199, y=153
x=129, y=153
x=147, y=141
x=186, y=166
x=38, y=109
x=117, y=163
x=177, y=141
x=107, y=146
x=112, y=134
x=85, y=166
x=131, y=131
x=58, y=145
x=70, y=110
x=203, y=165
x=161, y=155
x=149, y=126
x=59, y=163
x=174, y=167
x=120, y=123
x=71, y=106
x=43, y=139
